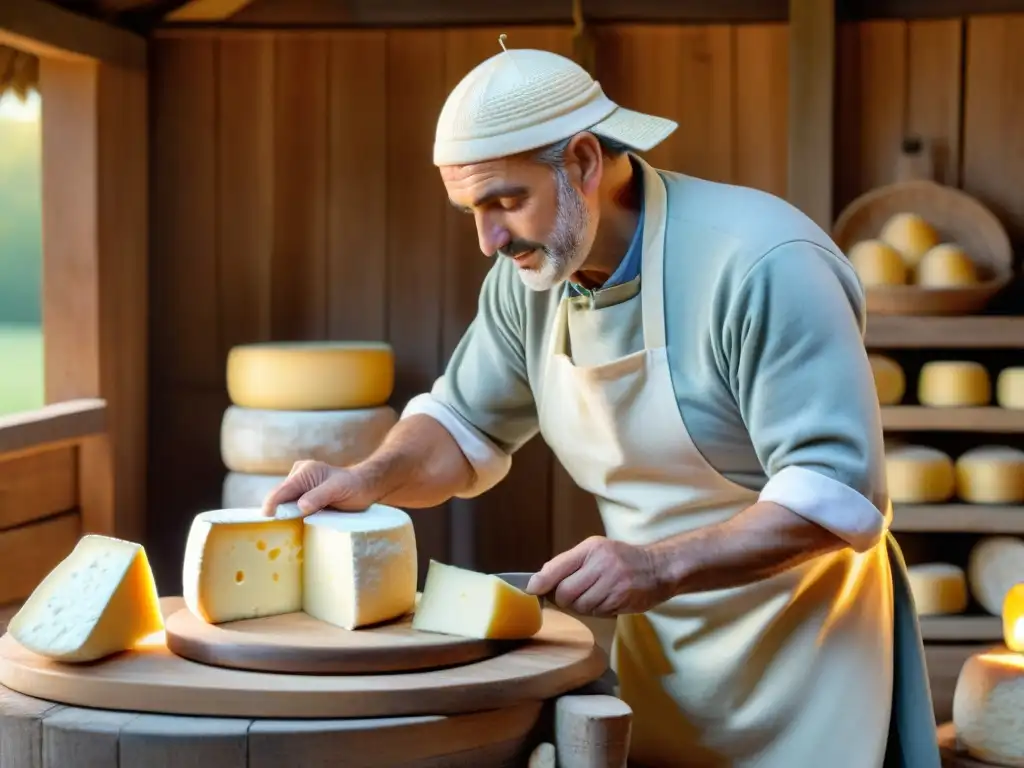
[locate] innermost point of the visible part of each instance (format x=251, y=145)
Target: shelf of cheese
x=918, y=418
x=977, y=332
x=958, y=518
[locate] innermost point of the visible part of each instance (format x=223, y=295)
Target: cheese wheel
x=945, y=266
x=101, y=599
x=994, y=565
x=987, y=704
x=909, y=234
x=918, y=474
x=953, y=384
x=1010, y=388
x=241, y=490
x=457, y=601
x=1013, y=618
x=890, y=381
x=991, y=474
x=359, y=568
x=262, y=442
x=311, y=376
x=938, y=588
x=877, y=264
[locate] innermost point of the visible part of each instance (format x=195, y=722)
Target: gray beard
x=564, y=254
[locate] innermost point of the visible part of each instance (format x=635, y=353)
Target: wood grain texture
x=761, y=119
x=560, y=658
x=299, y=643
x=31, y=551
x=37, y=485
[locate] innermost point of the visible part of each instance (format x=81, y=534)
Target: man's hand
x=601, y=577
x=317, y=485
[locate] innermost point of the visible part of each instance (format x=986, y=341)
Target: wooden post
x=812, y=46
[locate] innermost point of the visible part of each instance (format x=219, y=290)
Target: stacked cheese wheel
x=296, y=401
x=986, y=474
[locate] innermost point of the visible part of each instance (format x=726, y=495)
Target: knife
x=519, y=580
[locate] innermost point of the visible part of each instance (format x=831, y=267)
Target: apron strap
x=652, y=283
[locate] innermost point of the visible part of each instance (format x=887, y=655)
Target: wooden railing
x=41, y=516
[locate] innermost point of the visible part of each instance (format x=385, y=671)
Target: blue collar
x=629, y=267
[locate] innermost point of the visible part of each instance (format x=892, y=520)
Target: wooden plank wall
x=294, y=198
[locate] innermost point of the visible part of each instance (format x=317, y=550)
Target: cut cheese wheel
x=456, y=601
x=311, y=376
x=877, y=264
x=1010, y=388
x=359, y=567
x=946, y=266
x=262, y=442
x=938, y=588
x=99, y=600
x=241, y=490
x=890, y=381
x=954, y=384
x=995, y=564
x=987, y=702
x=918, y=474
x=909, y=234
x=239, y=564
x=991, y=474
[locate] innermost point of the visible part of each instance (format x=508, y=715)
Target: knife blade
x=518, y=579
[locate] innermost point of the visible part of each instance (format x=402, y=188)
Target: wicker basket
x=958, y=218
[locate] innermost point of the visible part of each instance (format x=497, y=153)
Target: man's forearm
x=418, y=464
x=761, y=541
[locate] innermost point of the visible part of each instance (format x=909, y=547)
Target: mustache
x=517, y=247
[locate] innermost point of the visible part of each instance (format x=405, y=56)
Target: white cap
x=523, y=99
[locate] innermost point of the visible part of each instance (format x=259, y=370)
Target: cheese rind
x=890, y=381
x=987, y=705
x=241, y=490
x=310, y=376
x=263, y=442
x=99, y=600
x=359, y=567
x=456, y=601
x=938, y=588
x=991, y=474
x=954, y=384
x=994, y=565
x=239, y=564
x=1010, y=388
x=917, y=474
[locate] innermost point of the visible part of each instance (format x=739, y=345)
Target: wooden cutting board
x=298, y=643
x=561, y=657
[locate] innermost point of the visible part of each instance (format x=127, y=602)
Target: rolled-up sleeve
x=484, y=398
x=794, y=352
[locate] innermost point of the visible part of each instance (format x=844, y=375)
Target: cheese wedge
x=359, y=567
x=100, y=600
x=987, y=703
x=239, y=564
x=456, y=601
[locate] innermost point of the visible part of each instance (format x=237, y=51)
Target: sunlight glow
x=13, y=108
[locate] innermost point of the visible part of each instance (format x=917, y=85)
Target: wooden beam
x=812, y=53
x=95, y=274
x=49, y=31
x=206, y=10
x=858, y=10
x=51, y=425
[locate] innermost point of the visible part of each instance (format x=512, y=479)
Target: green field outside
x=21, y=367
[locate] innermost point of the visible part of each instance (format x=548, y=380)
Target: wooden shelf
x=958, y=518
x=960, y=628
x=917, y=418
x=985, y=332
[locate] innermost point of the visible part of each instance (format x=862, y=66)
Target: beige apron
x=791, y=671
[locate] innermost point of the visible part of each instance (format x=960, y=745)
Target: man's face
x=527, y=211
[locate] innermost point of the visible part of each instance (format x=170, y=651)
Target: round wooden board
x=561, y=657
x=298, y=643
x=950, y=752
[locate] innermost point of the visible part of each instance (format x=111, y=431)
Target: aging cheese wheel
x=909, y=234
x=918, y=474
x=995, y=564
x=1010, y=388
x=311, y=376
x=890, y=381
x=938, y=588
x=946, y=266
x=988, y=703
x=242, y=490
x=878, y=264
x=954, y=384
x=262, y=442
x=991, y=474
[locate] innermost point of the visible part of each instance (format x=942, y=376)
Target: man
x=693, y=353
